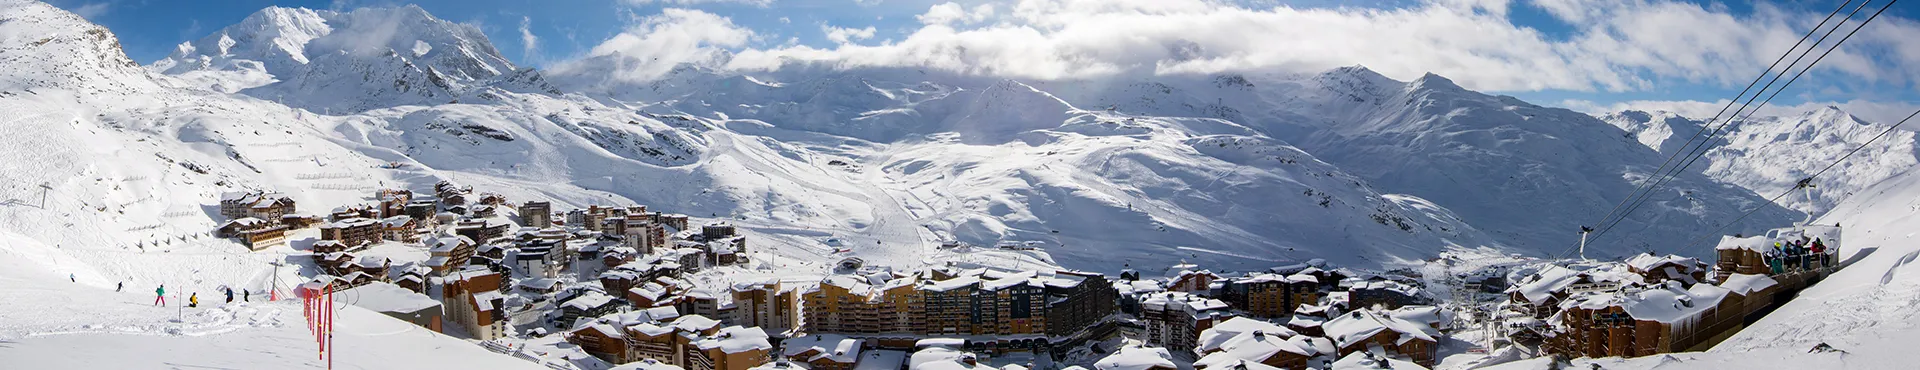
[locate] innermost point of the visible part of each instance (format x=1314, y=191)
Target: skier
x=1819, y=252
x=160, y=296
x=229, y=295
x=118, y=286
x=70, y=278
x=1773, y=261
x=246, y=296
x=193, y=301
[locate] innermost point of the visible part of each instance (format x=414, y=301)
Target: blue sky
x=1551, y=30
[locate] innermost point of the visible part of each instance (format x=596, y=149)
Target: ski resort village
x=969, y=185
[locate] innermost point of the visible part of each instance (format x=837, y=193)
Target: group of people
x=160, y=296
x=1799, y=255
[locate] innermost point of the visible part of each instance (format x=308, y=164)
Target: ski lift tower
x=44, y=188
x=1584, y=231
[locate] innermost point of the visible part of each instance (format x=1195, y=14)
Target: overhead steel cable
x=1693, y=154
x=1698, y=152
x=1883, y=133
x=1743, y=92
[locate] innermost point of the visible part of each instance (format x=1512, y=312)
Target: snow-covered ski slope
x=1867, y=310
x=1528, y=175
x=984, y=161
x=1770, y=154
x=50, y=322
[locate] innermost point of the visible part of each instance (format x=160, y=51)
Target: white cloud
x=949, y=13
x=529, y=44
x=785, y=20
x=845, y=35
x=92, y=11
x=1635, y=45
x=759, y=3
x=1630, y=45
x=656, y=44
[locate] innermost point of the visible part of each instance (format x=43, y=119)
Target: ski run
x=450, y=209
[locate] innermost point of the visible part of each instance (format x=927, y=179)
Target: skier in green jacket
x=160, y=296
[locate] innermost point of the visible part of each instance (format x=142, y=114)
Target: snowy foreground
x=1864, y=312
x=50, y=322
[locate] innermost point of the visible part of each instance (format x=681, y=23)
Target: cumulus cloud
x=949, y=13
x=844, y=35
x=654, y=45
x=1614, y=46
x=759, y=3
x=1633, y=45
x=529, y=44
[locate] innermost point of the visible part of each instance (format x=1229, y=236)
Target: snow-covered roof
x=1756, y=243
x=646, y=364
x=1137, y=287
x=1354, y=327
x=1236, y=364
x=237, y=196
x=1666, y=303
x=1429, y=315
x=1243, y=338
x=1746, y=284
x=483, y=301
x=943, y=358
x=373, y=262
x=830, y=347
x=539, y=283
x=1186, y=301
x=1555, y=278
x=881, y=360
x=1305, y=321
x=736, y=339
x=782, y=365
x=1363, y=360
x=694, y=323
x=396, y=221
x=244, y=222
x=954, y=343
x=950, y=284
x=1647, y=261
x=351, y=222
x=1136, y=358
x=1387, y=285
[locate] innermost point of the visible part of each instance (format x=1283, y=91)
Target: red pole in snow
x=330, y=330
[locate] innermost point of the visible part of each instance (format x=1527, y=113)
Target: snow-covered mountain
x=985, y=161
x=1235, y=171
x=977, y=168
x=1527, y=174
x=347, y=61
x=1770, y=154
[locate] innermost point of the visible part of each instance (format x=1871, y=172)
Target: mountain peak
x=1356, y=72
x=1430, y=81
x=402, y=55
x=82, y=52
